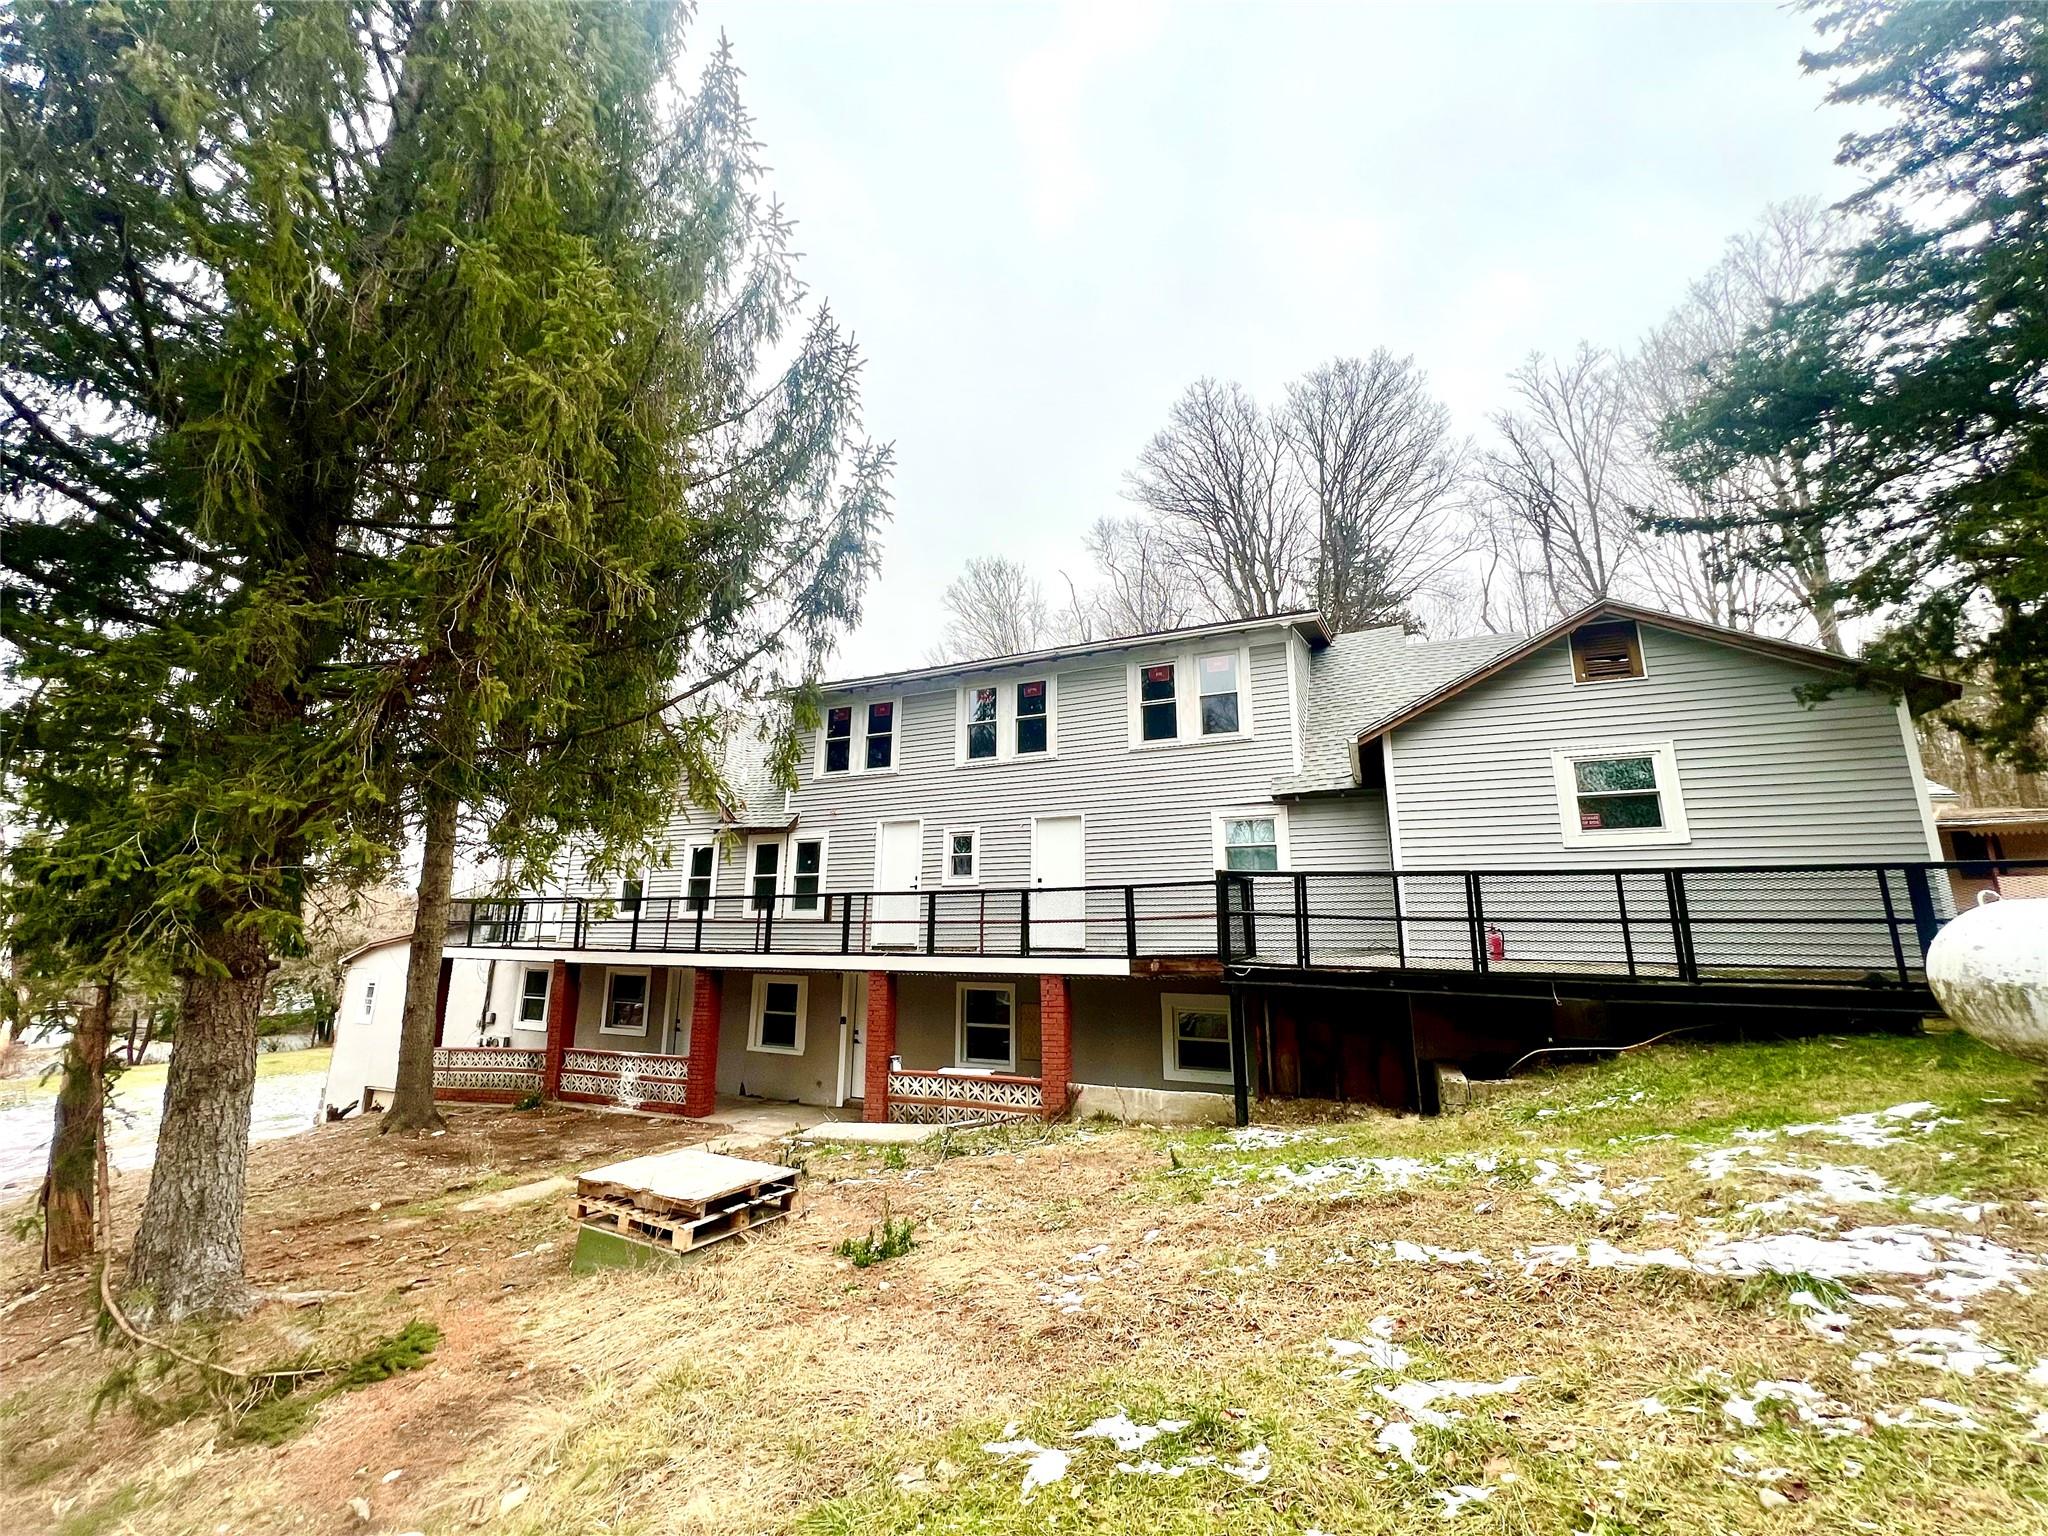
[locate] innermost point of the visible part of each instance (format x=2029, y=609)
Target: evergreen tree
x=1911, y=395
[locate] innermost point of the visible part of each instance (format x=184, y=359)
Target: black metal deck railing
x=1830, y=924
x=1824, y=924
x=1127, y=921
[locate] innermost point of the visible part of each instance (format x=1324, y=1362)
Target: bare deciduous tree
x=1140, y=587
x=1375, y=453
x=1556, y=495
x=1220, y=481
x=1792, y=252
x=994, y=607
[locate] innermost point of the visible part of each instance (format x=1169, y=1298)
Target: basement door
x=1059, y=918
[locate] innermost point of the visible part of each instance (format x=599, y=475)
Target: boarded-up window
x=1602, y=652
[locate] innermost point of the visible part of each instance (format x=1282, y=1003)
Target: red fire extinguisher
x=1496, y=946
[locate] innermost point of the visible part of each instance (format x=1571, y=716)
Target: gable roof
x=1363, y=676
x=363, y=949
x=1928, y=688
x=1306, y=621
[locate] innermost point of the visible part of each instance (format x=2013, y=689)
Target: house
x=1997, y=851
x=1150, y=875
x=363, y=1070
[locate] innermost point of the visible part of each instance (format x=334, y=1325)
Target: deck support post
x=1240, y=1068
x=564, y=994
x=1055, y=1045
x=707, y=992
x=881, y=1044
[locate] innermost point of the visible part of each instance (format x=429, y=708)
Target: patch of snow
x=1961, y=1350
x=1047, y=1465
x=1429, y=1253
x=1417, y=1397
x=1460, y=1496
x=1812, y=1407
x=1128, y=1435
x=1398, y=1439
x=1377, y=1354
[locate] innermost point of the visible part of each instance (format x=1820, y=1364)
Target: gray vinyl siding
x=1148, y=810
x=1763, y=778
x=1340, y=832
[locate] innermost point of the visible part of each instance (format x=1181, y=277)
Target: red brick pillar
x=707, y=991
x=881, y=1043
x=1055, y=1044
x=565, y=992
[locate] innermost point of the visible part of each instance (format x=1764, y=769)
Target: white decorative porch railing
x=630, y=1079
x=955, y=1098
x=486, y=1074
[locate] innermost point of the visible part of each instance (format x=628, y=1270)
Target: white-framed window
x=1032, y=729
x=630, y=890
x=369, y=1001
x=775, y=1023
x=1002, y=722
x=982, y=736
x=807, y=876
x=1157, y=686
x=1196, y=696
x=963, y=856
x=860, y=737
x=533, y=997
x=1216, y=693
x=764, y=874
x=836, y=753
x=878, y=744
x=986, y=1012
x=1252, y=837
x=1195, y=1031
x=700, y=875
x=625, y=1004
x=1620, y=795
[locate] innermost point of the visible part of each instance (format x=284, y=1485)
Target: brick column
x=707, y=991
x=1055, y=1044
x=565, y=991
x=881, y=1043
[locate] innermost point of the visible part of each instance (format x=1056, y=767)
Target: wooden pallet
x=684, y=1201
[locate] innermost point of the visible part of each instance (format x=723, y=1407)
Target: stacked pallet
x=675, y=1203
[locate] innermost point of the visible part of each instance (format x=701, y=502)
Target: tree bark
x=188, y=1248
x=412, y=1101
x=75, y=1142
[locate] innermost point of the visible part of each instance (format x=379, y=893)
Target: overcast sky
x=1044, y=221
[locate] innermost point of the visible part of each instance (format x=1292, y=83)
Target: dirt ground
x=1060, y=1275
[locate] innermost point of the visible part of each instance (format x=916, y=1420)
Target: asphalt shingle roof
x=1362, y=678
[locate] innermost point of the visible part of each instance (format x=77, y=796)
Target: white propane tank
x=1989, y=972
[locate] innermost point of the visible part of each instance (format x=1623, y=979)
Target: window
x=1032, y=717
x=1216, y=689
x=1252, y=839
x=963, y=856
x=1158, y=713
x=839, y=739
x=369, y=1001
x=701, y=876
x=1606, y=651
x=1624, y=795
x=767, y=866
x=807, y=874
x=533, y=998
x=881, y=751
x=777, y=1022
x=625, y=1005
x=1197, y=1037
x=629, y=897
x=981, y=724
x=988, y=1035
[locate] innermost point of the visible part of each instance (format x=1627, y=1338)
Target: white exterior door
x=899, y=856
x=853, y=999
x=1058, y=858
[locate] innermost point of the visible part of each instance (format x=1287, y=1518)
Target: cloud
x=1047, y=91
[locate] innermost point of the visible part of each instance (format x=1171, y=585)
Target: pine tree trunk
x=412, y=1101
x=75, y=1142
x=188, y=1247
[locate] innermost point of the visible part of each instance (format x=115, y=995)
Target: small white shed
x=364, y=1067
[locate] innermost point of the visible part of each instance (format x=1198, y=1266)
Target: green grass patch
x=895, y=1237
